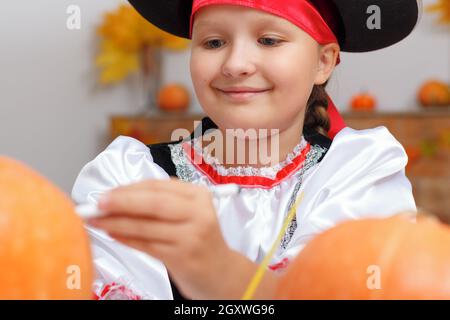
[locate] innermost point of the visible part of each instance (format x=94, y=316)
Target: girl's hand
x=175, y=222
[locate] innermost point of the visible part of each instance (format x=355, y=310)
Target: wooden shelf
x=420, y=113
x=429, y=112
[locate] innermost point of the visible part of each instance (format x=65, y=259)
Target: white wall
x=52, y=113
x=55, y=117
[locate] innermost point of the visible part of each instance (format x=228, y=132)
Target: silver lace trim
x=312, y=159
x=184, y=168
x=267, y=172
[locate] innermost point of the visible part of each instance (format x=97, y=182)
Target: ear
x=327, y=62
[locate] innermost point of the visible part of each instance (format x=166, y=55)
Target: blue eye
x=216, y=43
x=271, y=42
x=211, y=44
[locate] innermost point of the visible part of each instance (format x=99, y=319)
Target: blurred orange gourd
x=173, y=97
x=363, y=102
x=434, y=93
x=44, y=250
x=411, y=259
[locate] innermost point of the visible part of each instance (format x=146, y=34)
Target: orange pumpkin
x=390, y=258
x=363, y=102
x=44, y=250
x=434, y=93
x=173, y=97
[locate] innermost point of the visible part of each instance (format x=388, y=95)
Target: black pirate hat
x=359, y=25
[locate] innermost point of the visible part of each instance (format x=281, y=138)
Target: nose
x=239, y=60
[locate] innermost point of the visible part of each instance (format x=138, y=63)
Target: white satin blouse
x=361, y=175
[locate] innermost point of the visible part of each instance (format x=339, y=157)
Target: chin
x=242, y=122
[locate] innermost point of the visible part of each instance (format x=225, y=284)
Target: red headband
x=300, y=12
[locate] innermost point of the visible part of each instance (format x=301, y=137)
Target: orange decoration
x=434, y=93
x=44, y=250
x=391, y=258
x=363, y=102
x=173, y=97
x=414, y=155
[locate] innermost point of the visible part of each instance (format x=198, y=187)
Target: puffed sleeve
x=362, y=175
x=124, y=161
x=121, y=272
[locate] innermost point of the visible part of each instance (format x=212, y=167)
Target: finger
x=159, y=250
x=144, y=230
x=145, y=204
x=173, y=185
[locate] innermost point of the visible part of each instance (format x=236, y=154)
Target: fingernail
x=93, y=222
x=103, y=201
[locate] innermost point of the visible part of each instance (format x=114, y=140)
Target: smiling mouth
x=242, y=95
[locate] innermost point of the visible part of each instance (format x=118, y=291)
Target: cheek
x=203, y=70
x=294, y=80
x=294, y=83
x=204, y=67
x=199, y=72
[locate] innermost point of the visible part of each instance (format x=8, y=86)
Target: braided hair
x=316, y=116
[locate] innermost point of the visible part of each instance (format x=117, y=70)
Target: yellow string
x=257, y=277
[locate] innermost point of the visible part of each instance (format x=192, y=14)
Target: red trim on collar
x=246, y=181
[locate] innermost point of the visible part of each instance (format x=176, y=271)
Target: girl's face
x=237, y=47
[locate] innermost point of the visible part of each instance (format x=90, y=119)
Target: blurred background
x=75, y=74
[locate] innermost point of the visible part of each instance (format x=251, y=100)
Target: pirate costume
x=354, y=174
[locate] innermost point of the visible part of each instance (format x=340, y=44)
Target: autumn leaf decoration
x=442, y=6
x=125, y=36
x=429, y=147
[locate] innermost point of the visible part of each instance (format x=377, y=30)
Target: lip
x=241, y=89
x=242, y=94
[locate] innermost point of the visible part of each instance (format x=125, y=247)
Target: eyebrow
x=204, y=22
x=260, y=22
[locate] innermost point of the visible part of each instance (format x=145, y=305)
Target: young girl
x=257, y=65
